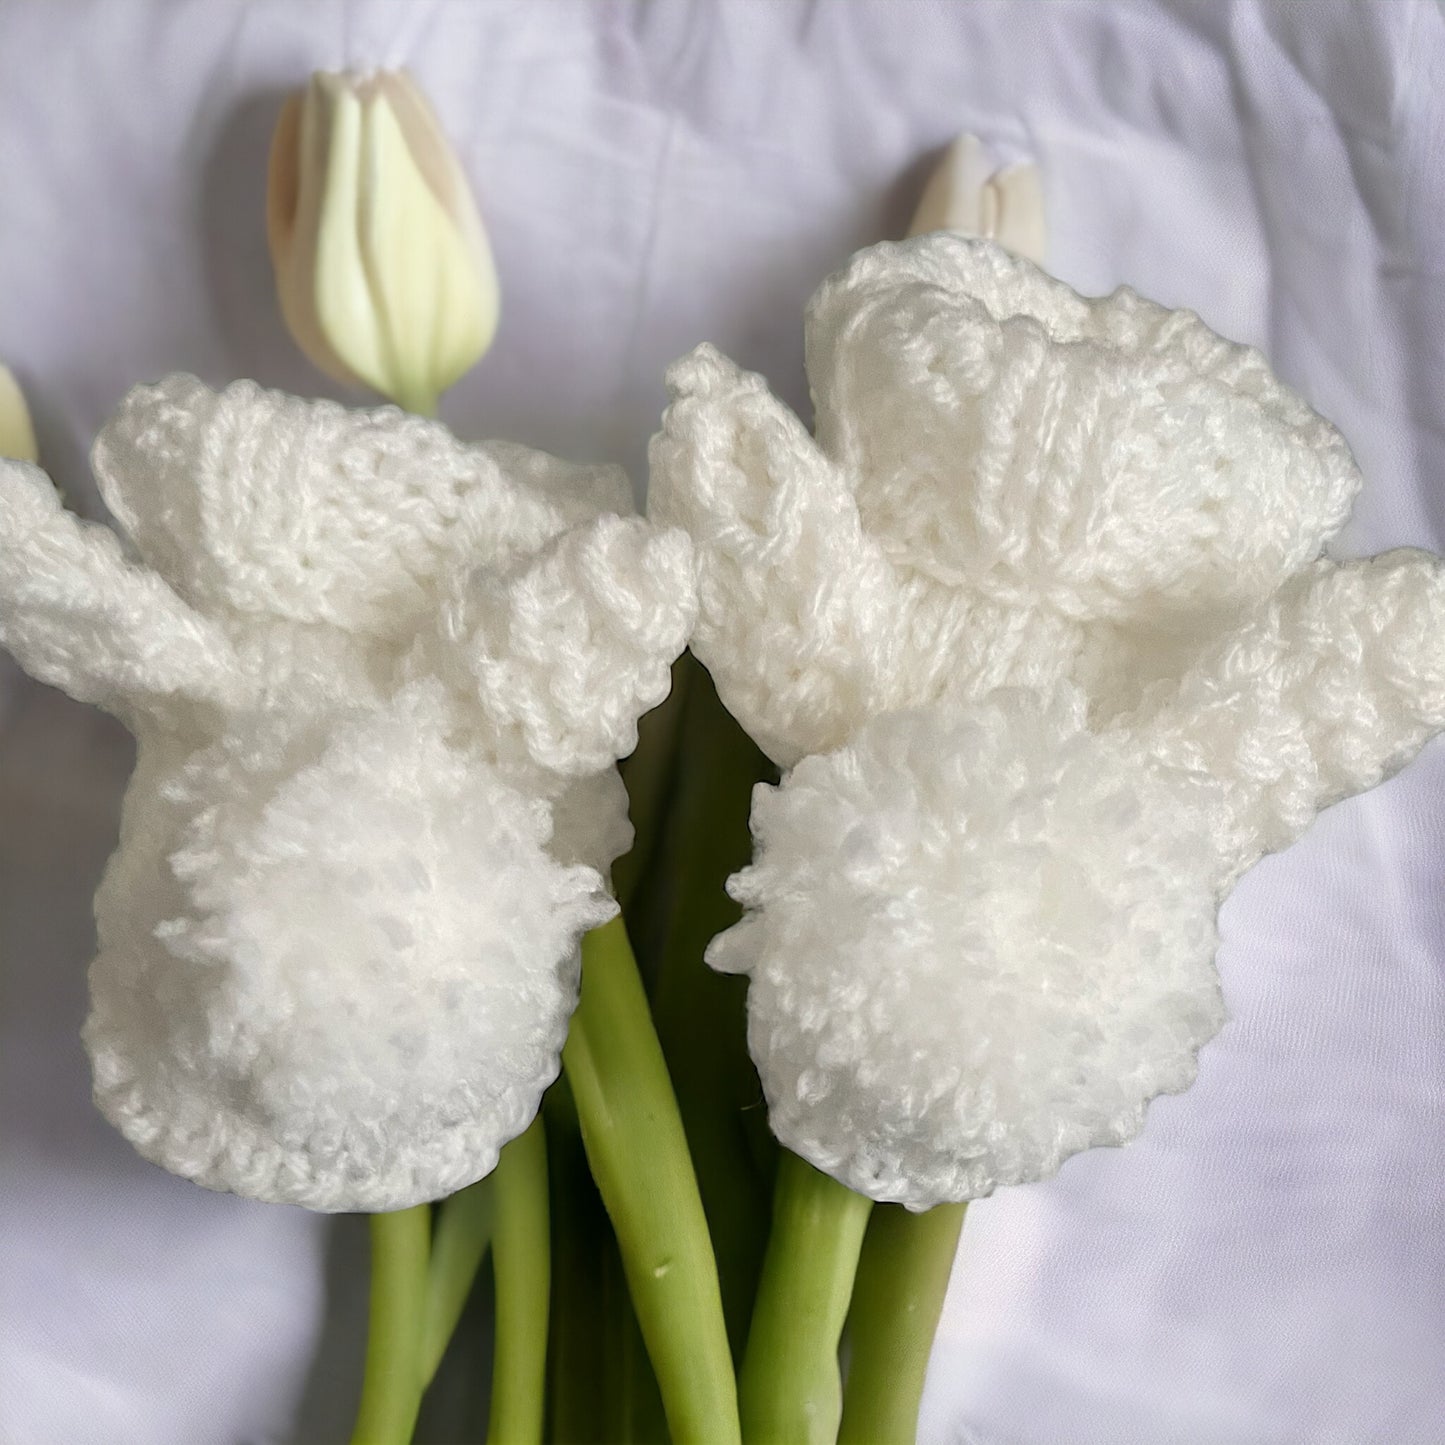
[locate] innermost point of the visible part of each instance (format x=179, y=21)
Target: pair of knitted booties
x=1037, y=624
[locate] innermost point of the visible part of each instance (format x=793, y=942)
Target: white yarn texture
x=1040, y=622
x=378, y=680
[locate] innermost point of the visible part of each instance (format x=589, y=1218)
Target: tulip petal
x=17, y=435
x=432, y=294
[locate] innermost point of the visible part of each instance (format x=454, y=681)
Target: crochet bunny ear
x=564, y=653
x=791, y=590
x=258, y=502
x=77, y=614
x=1108, y=455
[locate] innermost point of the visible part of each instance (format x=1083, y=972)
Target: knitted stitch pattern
x=1040, y=623
x=378, y=679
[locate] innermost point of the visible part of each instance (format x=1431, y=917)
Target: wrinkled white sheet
x=1267, y=1264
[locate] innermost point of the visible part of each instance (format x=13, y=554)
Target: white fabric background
x=1267, y=1264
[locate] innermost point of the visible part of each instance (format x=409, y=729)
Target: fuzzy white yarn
x=372, y=809
x=1118, y=517
x=976, y=945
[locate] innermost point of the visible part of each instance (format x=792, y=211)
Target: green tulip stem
x=637, y=1151
x=522, y=1260
x=701, y=1015
x=418, y=401
x=459, y=1245
x=392, y=1386
x=790, y=1387
x=650, y=773
x=902, y=1279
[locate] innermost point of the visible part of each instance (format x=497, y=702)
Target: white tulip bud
x=17, y=436
x=967, y=195
x=382, y=265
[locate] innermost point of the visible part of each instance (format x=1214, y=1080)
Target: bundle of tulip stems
x=736, y=1254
